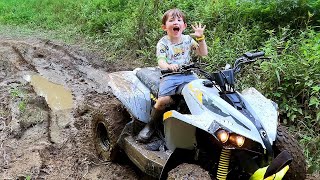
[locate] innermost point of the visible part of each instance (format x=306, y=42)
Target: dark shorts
x=173, y=84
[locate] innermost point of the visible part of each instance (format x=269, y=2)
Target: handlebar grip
x=165, y=71
x=192, y=65
x=258, y=54
x=251, y=56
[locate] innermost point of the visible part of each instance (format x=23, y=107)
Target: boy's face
x=174, y=26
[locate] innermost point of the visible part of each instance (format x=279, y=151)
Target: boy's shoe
x=146, y=133
x=155, y=144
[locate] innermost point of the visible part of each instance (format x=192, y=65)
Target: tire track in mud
x=22, y=60
x=26, y=145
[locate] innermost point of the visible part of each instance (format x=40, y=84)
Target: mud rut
x=37, y=140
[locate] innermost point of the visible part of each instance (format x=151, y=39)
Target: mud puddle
x=57, y=97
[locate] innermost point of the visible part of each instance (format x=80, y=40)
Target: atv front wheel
x=107, y=127
x=188, y=171
x=284, y=141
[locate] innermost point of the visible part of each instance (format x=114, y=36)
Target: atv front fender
x=180, y=129
x=276, y=170
x=259, y=174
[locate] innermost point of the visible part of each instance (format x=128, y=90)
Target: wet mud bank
x=48, y=93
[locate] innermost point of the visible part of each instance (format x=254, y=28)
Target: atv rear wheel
x=107, y=127
x=188, y=171
x=284, y=141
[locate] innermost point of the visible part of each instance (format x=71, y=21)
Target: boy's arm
x=202, y=50
x=164, y=65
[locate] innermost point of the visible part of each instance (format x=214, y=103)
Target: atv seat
x=150, y=77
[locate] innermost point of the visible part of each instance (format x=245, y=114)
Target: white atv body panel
x=195, y=93
x=132, y=93
x=262, y=109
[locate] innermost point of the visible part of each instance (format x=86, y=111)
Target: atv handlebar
x=222, y=78
x=247, y=58
x=251, y=56
x=183, y=69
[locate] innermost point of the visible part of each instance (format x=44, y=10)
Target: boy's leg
x=155, y=118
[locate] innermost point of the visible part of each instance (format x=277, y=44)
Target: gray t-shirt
x=176, y=53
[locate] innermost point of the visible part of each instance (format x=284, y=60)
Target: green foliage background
x=287, y=30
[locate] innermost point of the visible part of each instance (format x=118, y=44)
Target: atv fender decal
x=153, y=97
x=167, y=114
x=258, y=175
x=197, y=92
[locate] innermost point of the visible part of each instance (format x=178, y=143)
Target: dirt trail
x=41, y=138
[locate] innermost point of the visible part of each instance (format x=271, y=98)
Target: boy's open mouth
x=176, y=29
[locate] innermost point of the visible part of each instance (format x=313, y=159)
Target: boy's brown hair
x=174, y=13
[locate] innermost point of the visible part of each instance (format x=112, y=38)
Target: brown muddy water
x=57, y=96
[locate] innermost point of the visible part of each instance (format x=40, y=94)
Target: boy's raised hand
x=198, y=30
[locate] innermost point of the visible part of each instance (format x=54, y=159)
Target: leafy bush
x=268, y=13
x=293, y=78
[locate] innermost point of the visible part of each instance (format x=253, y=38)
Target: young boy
x=173, y=50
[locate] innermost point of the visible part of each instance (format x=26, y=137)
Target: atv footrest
x=151, y=162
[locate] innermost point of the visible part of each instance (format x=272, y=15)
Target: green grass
x=19, y=95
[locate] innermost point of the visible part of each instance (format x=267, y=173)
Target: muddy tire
x=284, y=141
x=188, y=171
x=107, y=126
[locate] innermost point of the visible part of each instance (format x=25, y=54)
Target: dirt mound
x=40, y=136
x=188, y=171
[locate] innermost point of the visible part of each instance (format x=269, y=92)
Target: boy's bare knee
x=162, y=102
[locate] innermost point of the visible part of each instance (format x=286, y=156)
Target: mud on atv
x=212, y=130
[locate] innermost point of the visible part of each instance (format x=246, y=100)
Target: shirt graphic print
x=176, y=53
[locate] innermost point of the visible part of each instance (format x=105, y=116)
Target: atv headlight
x=223, y=135
x=237, y=140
